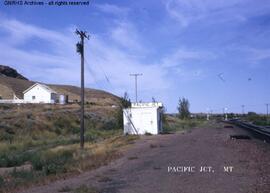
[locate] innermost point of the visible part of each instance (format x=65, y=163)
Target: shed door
x=147, y=122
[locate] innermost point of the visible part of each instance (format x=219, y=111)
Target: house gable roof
x=41, y=85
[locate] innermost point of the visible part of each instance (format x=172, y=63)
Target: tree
x=125, y=101
x=183, y=108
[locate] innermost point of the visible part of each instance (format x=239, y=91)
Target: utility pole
x=136, y=75
x=243, y=109
x=267, y=105
x=80, y=50
x=225, y=113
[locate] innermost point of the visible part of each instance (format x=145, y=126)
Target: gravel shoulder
x=143, y=168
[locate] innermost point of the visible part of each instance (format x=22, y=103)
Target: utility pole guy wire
x=80, y=50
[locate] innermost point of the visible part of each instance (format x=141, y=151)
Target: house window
x=33, y=97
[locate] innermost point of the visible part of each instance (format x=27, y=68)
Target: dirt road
x=144, y=166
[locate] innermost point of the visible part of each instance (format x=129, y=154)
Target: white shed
x=142, y=118
x=39, y=93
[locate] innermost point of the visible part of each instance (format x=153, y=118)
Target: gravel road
x=144, y=166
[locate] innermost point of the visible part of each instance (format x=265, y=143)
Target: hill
x=10, y=72
x=10, y=85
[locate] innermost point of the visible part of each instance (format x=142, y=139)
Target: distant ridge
x=10, y=72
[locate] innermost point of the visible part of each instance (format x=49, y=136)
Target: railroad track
x=263, y=131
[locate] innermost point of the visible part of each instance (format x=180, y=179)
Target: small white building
x=39, y=93
x=142, y=118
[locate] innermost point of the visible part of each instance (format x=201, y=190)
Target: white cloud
x=189, y=11
x=182, y=56
x=21, y=32
x=126, y=35
x=259, y=54
x=61, y=64
x=112, y=9
x=104, y=57
x=117, y=64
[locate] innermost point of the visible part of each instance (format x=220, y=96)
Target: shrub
x=65, y=189
x=25, y=175
x=52, y=162
x=85, y=189
x=109, y=125
x=7, y=137
x=2, y=181
x=75, y=130
x=8, y=159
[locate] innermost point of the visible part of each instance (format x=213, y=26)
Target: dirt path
x=144, y=167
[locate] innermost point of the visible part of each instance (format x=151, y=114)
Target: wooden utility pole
x=243, y=109
x=267, y=113
x=136, y=75
x=80, y=50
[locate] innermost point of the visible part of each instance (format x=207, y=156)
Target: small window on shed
x=33, y=97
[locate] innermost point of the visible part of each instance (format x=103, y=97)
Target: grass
x=133, y=158
x=85, y=189
x=65, y=189
x=153, y=146
x=65, y=159
x=173, y=124
x=81, y=189
x=257, y=119
x=47, y=137
x=104, y=179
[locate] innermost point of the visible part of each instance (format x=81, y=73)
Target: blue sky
x=216, y=53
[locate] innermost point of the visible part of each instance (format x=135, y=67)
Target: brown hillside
x=10, y=86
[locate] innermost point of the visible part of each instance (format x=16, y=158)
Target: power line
x=80, y=50
x=267, y=105
x=93, y=75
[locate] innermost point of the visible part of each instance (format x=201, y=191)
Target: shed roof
x=43, y=86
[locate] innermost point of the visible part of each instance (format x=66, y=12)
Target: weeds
x=153, y=146
x=48, y=139
x=2, y=181
x=173, y=124
x=85, y=189
x=52, y=162
x=65, y=189
x=132, y=157
x=23, y=175
x=104, y=179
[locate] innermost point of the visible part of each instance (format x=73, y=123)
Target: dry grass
x=92, y=156
x=47, y=137
x=80, y=189
x=173, y=124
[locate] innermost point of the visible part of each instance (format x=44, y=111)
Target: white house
x=142, y=118
x=39, y=93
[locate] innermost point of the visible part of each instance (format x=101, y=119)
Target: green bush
x=6, y=137
x=92, y=135
x=52, y=162
x=8, y=159
x=2, y=181
x=85, y=189
x=109, y=125
x=25, y=175
x=75, y=130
